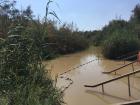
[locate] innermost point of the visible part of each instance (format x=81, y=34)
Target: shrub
x=23, y=78
x=120, y=43
x=65, y=43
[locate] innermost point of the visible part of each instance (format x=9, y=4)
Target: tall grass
x=120, y=43
x=23, y=78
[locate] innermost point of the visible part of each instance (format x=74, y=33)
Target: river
x=91, y=73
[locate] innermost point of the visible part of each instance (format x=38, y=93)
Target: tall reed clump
x=120, y=43
x=67, y=41
x=23, y=78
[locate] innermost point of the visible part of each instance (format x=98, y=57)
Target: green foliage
x=65, y=43
x=136, y=14
x=97, y=37
x=135, y=20
x=23, y=78
x=65, y=40
x=121, y=37
x=120, y=43
x=114, y=25
x=45, y=32
x=56, y=41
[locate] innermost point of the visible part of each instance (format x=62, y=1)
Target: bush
x=23, y=78
x=56, y=41
x=65, y=43
x=120, y=43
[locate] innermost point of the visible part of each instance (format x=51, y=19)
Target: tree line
x=119, y=37
x=56, y=40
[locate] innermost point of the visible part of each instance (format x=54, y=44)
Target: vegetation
x=120, y=43
x=25, y=42
x=57, y=41
x=23, y=78
x=66, y=38
x=119, y=37
x=126, y=39
x=67, y=41
x=43, y=31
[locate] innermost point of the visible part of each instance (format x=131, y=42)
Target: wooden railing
x=115, y=70
x=130, y=57
x=114, y=79
x=128, y=54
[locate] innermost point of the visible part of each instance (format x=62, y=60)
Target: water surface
x=91, y=73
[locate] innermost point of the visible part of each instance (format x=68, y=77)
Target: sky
x=86, y=14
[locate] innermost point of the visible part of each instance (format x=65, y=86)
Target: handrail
x=127, y=58
x=114, y=79
x=122, y=76
x=114, y=70
x=134, y=52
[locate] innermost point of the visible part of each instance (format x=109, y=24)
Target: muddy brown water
x=73, y=82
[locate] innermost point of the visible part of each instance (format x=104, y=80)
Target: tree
x=136, y=14
x=135, y=20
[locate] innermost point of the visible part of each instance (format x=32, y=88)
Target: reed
x=23, y=78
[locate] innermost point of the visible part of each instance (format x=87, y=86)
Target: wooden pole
x=115, y=72
x=56, y=77
x=133, y=67
x=124, y=61
x=98, y=58
x=103, y=88
x=129, y=90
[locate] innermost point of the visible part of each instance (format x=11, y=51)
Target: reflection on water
x=91, y=73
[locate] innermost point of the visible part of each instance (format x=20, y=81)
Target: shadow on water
x=102, y=96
